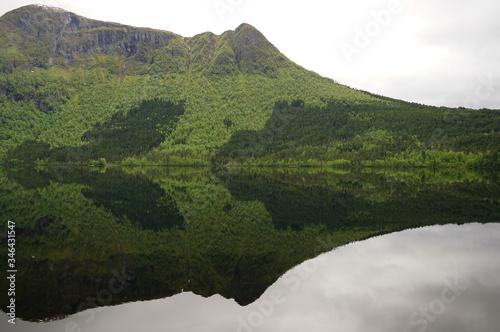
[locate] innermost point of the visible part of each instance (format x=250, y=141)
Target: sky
x=439, y=52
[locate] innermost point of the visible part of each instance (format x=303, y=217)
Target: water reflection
x=228, y=232
x=444, y=278
x=142, y=202
x=441, y=278
x=372, y=198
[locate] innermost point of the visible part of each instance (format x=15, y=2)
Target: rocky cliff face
x=46, y=36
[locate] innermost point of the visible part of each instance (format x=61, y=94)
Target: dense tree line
x=135, y=132
x=368, y=132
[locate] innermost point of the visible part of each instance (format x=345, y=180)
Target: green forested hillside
x=232, y=98
x=373, y=134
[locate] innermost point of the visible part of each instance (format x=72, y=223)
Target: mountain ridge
x=65, y=78
x=67, y=36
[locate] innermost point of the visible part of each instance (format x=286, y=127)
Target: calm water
x=441, y=278
x=254, y=249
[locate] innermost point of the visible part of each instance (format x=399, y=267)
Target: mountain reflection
x=232, y=232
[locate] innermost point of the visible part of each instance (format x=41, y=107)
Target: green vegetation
x=215, y=90
x=391, y=134
x=78, y=92
x=232, y=232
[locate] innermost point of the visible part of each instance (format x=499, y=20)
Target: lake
x=253, y=249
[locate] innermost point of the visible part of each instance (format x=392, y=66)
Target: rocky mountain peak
x=46, y=36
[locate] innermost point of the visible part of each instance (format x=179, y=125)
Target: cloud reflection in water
x=442, y=278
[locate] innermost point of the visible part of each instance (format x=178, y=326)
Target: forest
x=226, y=99
x=305, y=129
x=374, y=134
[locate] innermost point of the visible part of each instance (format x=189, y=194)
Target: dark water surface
x=219, y=250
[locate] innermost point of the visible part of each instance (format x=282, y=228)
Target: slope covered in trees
x=375, y=134
x=65, y=78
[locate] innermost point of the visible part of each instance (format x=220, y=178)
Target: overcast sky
x=439, y=52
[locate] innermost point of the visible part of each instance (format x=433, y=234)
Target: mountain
x=77, y=90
